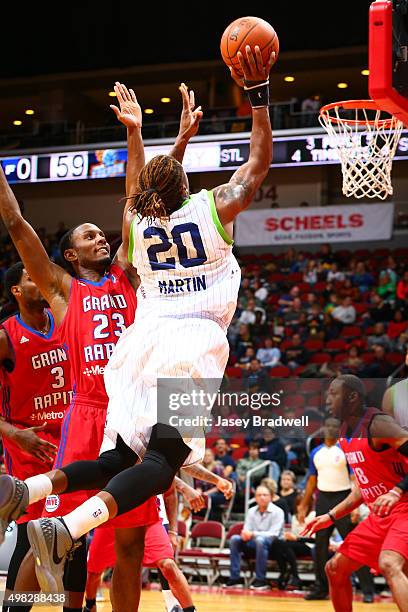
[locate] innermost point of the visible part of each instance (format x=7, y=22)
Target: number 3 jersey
x=97, y=315
x=185, y=264
x=35, y=389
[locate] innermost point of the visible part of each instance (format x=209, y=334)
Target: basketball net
x=366, y=144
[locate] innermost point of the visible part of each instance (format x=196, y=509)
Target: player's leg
x=177, y=582
x=101, y=555
x=21, y=549
x=171, y=603
x=339, y=570
x=392, y=566
x=344, y=527
x=126, y=579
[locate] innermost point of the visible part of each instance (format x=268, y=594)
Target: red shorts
x=81, y=439
x=22, y=465
x=375, y=534
x=102, y=554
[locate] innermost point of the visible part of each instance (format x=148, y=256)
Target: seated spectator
x=247, y=463
x=217, y=498
x=346, y=313
x=315, y=320
x=288, y=490
x=261, y=290
x=263, y=525
x=326, y=255
x=402, y=290
x=311, y=273
x=379, y=337
x=331, y=304
x=380, y=367
x=390, y=268
x=293, y=312
x=272, y=448
x=300, y=264
x=287, y=298
x=270, y=483
x=223, y=456
x=397, y=326
x=401, y=344
x=353, y=362
x=296, y=354
x=386, y=288
x=349, y=290
x=247, y=357
x=260, y=328
x=334, y=274
x=243, y=340
x=361, y=278
x=380, y=310
x=255, y=379
x=269, y=356
x=311, y=301
x=248, y=315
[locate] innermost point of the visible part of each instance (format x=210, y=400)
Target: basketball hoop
x=366, y=143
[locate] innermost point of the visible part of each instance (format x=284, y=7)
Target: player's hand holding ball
x=252, y=69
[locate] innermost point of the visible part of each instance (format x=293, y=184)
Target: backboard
x=388, y=56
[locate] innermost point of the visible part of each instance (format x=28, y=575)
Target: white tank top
x=400, y=402
x=185, y=264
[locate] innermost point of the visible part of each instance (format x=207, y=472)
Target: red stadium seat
x=381, y=253
x=395, y=358
x=336, y=345
x=362, y=253
x=305, y=287
x=233, y=372
x=299, y=370
x=314, y=345
x=289, y=386
x=368, y=357
x=351, y=331
x=293, y=401
x=276, y=277
x=279, y=372
x=319, y=287
x=320, y=358
x=361, y=308
x=340, y=357
x=311, y=385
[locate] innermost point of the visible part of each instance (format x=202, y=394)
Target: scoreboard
x=288, y=151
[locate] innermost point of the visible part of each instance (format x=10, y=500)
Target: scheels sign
x=364, y=222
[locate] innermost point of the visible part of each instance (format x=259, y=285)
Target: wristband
x=331, y=516
x=258, y=94
x=173, y=531
x=394, y=492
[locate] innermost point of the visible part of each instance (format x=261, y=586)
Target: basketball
x=248, y=31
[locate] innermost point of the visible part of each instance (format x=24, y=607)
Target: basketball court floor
x=208, y=601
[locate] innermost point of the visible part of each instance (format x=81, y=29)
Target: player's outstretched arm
x=53, y=282
x=189, y=122
x=235, y=196
x=130, y=114
x=350, y=503
x=195, y=499
x=197, y=470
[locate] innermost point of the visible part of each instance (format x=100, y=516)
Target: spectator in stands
x=296, y=354
x=332, y=303
x=255, y=379
x=287, y=299
x=288, y=490
x=380, y=367
x=329, y=475
x=247, y=357
x=272, y=448
x=300, y=264
x=288, y=259
x=269, y=356
x=386, y=288
x=380, y=310
x=315, y=320
x=346, y=313
x=211, y=491
x=311, y=273
x=223, y=456
x=261, y=291
x=263, y=525
x=379, y=337
x=243, y=340
x=349, y=290
x=334, y=274
x=260, y=328
x=391, y=269
x=353, y=362
x=293, y=312
x=401, y=344
x=326, y=255
x=397, y=326
x=248, y=315
x=281, y=502
x=361, y=278
x=247, y=463
x=402, y=291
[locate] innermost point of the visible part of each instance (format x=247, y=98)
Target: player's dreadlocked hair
x=160, y=189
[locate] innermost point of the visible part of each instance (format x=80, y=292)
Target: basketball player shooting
x=176, y=240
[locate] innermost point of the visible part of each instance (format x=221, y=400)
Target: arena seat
x=279, y=372
x=313, y=345
x=335, y=345
x=350, y=331
x=233, y=371
x=320, y=358
x=203, y=561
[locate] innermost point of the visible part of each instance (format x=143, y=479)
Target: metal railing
x=258, y=468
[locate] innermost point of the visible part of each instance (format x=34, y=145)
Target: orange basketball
x=248, y=31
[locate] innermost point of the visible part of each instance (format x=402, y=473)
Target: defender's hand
x=190, y=116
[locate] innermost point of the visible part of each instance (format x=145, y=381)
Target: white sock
x=170, y=600
x=89, y=515
x=38, y=487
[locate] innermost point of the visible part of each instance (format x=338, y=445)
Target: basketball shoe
x=13, y=501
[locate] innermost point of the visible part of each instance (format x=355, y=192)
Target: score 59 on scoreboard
x=211, y=156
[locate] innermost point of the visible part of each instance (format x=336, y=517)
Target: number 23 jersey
x=97, y=314
x=185, y=264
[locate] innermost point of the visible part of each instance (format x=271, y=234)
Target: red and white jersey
x=376, y=471
x=35, y=384
x=97, y=315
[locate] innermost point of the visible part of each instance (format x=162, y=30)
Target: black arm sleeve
x=403, y=485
